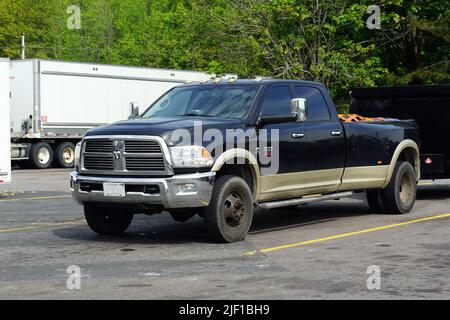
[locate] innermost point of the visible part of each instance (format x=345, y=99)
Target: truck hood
x=164, y=127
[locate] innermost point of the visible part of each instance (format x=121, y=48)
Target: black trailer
x=429, y=106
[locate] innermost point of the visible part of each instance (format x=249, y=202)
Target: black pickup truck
x=428, y=105
x=223, y=148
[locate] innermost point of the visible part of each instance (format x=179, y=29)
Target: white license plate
x=114, y=189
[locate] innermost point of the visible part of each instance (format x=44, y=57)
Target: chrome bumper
x=170, y=195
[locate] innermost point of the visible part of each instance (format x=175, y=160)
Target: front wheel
x=400, y=195
x=107, y=221
x=229, y=215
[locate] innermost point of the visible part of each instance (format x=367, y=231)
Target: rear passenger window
x=317, y=107
x=277, y=101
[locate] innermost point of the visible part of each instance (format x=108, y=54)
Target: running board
x=304, y=200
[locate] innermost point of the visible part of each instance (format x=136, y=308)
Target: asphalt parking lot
x=319, y=251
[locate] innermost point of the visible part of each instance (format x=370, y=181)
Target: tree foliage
x=325, y=40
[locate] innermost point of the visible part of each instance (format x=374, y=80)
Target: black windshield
x=222, y=101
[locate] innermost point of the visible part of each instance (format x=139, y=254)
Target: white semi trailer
x=53, y=103
x=5, y=160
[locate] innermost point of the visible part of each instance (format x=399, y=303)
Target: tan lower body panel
x=359, y=178
x=323, y=181
x=295, y=185
x=281, y=186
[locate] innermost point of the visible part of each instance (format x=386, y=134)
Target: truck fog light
x=187, y=188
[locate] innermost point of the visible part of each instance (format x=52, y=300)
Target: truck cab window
x=317, y=107
x=277, y=101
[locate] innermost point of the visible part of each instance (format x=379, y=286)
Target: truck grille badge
x=117, y=155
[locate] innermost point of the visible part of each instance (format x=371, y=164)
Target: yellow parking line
x=344, y=235
x=42, y=226
x=34, y=198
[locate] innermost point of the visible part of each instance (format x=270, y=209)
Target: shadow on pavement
x=161, y=229
x=153, y=230
x=288, y=218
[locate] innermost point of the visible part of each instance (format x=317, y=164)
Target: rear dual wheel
x=400, y=195
x=374, y=201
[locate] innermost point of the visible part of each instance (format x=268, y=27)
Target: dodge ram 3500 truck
x=276, y=143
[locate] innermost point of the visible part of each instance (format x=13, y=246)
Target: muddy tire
x=374, y=201
x=400, y=195
x=229, y=215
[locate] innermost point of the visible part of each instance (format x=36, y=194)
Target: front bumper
x=169, y=194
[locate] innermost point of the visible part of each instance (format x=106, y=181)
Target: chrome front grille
x=99, y=162
x=145, y=164
x=124, y=156
x=142, y=147
x=99, y=146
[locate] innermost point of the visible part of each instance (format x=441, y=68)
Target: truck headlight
x=77, y=156
x=191, y=157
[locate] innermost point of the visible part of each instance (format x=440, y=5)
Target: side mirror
x=299, y=106
x=134, y=111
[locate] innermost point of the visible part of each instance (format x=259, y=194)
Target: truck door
x=325, y=143
x=285, y=177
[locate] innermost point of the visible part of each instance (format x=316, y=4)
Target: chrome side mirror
x=299, y=107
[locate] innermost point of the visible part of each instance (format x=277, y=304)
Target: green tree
x=305, y=40
x=326, y=41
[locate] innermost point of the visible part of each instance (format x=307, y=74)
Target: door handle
x=336, y=133
x=298, y=135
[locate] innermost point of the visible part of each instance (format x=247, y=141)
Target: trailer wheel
x=41, y=155
x=65, y=155
x=107, y=221
x=230, y=213
x=400, y=195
